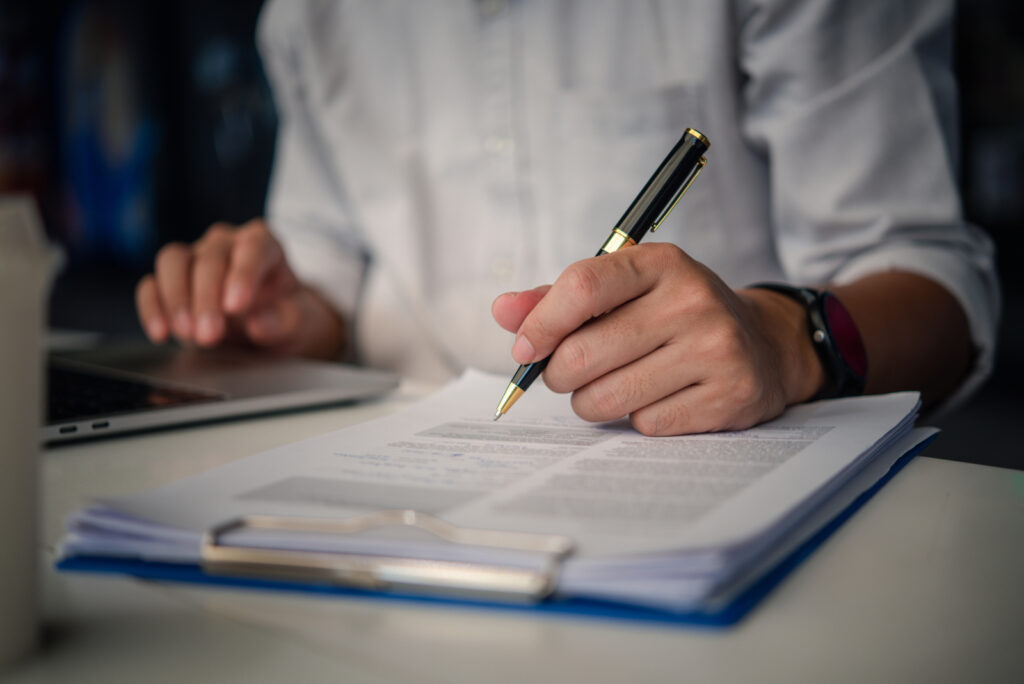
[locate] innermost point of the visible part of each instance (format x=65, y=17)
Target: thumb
x=275, y=324
x=511, y=308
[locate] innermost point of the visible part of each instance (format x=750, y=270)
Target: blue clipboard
x=724, y=615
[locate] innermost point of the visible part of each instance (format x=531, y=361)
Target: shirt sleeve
x=853, y=105
x=306, y=208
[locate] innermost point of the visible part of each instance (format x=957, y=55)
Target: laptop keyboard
x=76, y=395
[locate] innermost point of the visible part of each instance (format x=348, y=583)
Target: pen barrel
x=648, y=210
x=665, y=186
x=529, y=372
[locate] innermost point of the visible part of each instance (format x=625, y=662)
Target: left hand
x=651, y=333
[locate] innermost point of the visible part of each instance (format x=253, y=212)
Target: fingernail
x=522, y=351
x=233, y=296
x=183, y=324
x=208, y=327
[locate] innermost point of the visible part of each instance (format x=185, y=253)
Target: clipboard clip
x=392, y=573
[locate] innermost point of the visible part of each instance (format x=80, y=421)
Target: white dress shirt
x=432, y=155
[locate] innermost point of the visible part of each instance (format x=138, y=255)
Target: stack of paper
x=679, y=524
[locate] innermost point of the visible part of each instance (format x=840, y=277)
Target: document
x=664, y=521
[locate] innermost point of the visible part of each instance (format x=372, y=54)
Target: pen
x=657, y=198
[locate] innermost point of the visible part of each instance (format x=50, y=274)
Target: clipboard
x=392, y=573
x=478, y=586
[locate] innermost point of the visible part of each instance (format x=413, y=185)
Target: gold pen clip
x=682, y=190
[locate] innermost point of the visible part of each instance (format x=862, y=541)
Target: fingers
x=635, y=385
x=209, y=266
x=700, y=408
x=151, y=313
x=650, y=333
x=611, y=341
x=511, y=308
x=684, y=387
x=174, y=287
x=256, y=260
x=228, y=273
x=582, y=292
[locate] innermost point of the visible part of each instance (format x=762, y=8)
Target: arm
x=650, y=333
x=287, y=284
x=851, y=107
x=915, y=333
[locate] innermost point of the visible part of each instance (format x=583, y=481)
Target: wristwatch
x=835, y=338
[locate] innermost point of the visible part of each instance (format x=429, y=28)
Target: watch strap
x=835, y=337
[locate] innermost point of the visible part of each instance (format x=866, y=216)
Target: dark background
x=139, y=123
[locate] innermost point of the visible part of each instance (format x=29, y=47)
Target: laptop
x=131, y=387
x=110, y=389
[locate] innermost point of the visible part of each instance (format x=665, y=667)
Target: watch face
x=845, y=336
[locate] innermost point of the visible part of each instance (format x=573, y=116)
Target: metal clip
x=381, y=572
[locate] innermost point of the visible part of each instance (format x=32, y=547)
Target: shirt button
x=501, y=269
x=498, y=145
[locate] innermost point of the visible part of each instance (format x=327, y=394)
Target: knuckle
x=556, y=382
x=573, y=356
x=541, y=331
x=728, y=340
x=703, y=295
x=650, y=421
x=604, y=400
x=747, y=389
x=667, y=255
x=581, y=280
x=608, y=404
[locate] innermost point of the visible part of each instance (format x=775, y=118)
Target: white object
x=482, y=154
x=26, y=265
x=921, y=584
x=678, y=523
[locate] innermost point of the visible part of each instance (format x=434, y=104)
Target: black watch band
x=835, y=338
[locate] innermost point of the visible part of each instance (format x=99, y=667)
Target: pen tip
x=512, y=392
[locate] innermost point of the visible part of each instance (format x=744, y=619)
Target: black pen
x=657, y=198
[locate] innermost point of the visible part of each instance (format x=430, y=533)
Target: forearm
x=915, y=332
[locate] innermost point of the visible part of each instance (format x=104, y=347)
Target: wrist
x=834, y=337
x=785, y=326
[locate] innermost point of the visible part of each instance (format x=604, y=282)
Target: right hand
x=235, y=285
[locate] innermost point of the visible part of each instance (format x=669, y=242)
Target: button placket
x=498, y=145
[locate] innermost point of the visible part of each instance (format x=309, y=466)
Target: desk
x=923, y=584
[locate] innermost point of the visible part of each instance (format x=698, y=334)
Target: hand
x=650, y=333
x=234, y=285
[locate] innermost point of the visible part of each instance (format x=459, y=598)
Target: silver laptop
x=108, y=390
x=132, y=387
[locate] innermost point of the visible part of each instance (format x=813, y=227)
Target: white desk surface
x=925, y=583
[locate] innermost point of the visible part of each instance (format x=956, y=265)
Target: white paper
x=685, y=512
